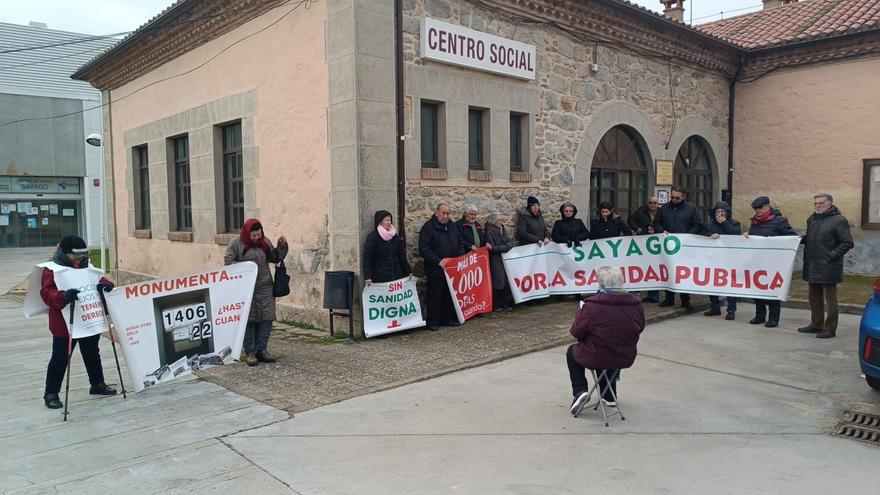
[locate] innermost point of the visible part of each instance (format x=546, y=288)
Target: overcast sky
x=114, y=16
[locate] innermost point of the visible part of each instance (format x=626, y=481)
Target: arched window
x=619, y=173
x=693, y=171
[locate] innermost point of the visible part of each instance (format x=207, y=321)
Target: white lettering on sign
x=465, y=47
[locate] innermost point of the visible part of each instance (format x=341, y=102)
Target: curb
x=852, y=309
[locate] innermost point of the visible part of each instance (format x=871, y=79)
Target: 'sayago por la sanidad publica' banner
x=759, y=267
x=470, y=283
x=391, y=307
x=166, y=328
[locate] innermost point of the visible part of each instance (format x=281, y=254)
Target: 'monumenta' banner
x=758, y=267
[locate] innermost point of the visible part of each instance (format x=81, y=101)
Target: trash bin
x=338, y=294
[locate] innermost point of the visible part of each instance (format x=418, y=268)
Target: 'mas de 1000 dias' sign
x=457, y=45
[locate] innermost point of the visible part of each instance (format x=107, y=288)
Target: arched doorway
x=619, y=172
x=693, y=171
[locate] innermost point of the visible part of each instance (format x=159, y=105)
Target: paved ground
x=17, y=263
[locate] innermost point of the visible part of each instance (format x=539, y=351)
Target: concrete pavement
x=16, y=265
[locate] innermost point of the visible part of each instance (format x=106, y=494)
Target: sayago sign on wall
x=458, y=45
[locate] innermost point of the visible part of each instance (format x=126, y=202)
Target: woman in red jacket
x=72, y=252
x=607, y=328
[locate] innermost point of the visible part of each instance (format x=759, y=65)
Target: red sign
x=470, y=283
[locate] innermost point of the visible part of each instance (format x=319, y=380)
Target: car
x=869, y=339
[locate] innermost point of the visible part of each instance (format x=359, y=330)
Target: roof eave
x=811, y=41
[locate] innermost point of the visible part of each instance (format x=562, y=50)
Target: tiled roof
x=801, y=21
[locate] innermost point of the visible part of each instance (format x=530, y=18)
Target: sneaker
x=730, y=316
x=809, y=329
x=101, y=389
x=579, y=402
x=609, y=403
x=252, y=359
x=712, y=312
x=52, y=401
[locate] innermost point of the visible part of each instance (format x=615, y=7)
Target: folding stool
x=599, y=402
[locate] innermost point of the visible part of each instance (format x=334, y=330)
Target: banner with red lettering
x=391, y=307
x=88, y=314
x=172, y=327
x=470, y=283
x=757, y=267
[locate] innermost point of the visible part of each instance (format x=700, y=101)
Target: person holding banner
x=722, y=223
x=439, y=239
x=607, y=223
x=530, y=225
x=645, y=221
x=252, y=245
x=680, y=216
x=498, y=241
x=768, y=222
x=607, y=330
x=384, y=252
x=73, y=253
x=569, y=229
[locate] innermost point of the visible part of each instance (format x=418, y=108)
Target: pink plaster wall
x=806, y=131
x=285, y=66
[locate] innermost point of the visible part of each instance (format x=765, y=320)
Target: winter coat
x=613, y=227
x=607, y=328
x=569, y=230
x=682, y=218
x=730, y=227
x=467, y=234
x=530, y=229
x=384, y=261
x=500, y=241
x=826, y=242
x=641, y=219
x=778, y=226
x=263, y=303
x=54, y=298
x=438, y=241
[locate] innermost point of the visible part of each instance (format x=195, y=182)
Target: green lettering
x=578, y=253
x=595, y=252
x=372, y=299
x=614, y=246
x=676, y=244
x=374, y=313
x=633, y=248
x=652, y=244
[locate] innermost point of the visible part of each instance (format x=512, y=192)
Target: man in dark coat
x=768, y=222
x=826, y=242
x=530, y=226
x=607, y=328
x=569, y=229
x=472, y=234
x=646, y=221
x=439, y=239
x=498, y=242
x=722, y=223
x=384, y=260
x=680, y=216
x=607, y=223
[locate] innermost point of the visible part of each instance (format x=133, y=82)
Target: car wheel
x=873, y=382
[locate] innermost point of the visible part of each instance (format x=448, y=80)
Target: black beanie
x=73, y=244
x=760, y=201
x=532, y=201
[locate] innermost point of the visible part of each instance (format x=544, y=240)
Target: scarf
x=476, y=234
x=245, y=235
x=386, y=235
x=766, y=217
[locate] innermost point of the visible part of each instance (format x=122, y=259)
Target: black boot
x=757, y=320
x=52, y=401
x=667, y=302
x=712, y=312
x=101, y=389
x=775, y=311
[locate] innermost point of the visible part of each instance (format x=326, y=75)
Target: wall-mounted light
x=94, y=139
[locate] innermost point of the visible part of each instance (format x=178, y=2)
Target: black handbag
x=281, y=284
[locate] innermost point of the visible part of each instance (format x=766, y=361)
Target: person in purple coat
x=607, y=330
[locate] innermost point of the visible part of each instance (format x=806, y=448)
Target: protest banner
x=88, y=313
x=470, y=283
x=758, y=267
x=169, y=328
x=391, y=307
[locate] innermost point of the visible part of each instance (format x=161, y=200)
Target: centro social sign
x=465, y=47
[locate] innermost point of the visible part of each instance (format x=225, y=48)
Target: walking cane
x=69, y=354
x=112, y=340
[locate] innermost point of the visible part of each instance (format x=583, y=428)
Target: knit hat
x=760, y=201
x=532, y=201
x=73, y=244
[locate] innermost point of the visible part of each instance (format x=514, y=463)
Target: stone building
x=311, y=115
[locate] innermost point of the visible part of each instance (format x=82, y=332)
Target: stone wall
x=575, y=107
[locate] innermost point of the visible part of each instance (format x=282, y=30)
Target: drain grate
x=859, y=426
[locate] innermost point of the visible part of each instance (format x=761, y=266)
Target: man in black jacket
x=768, y=222
x=439, y=239
x=472, y=233
x=680, y=216
x=826, y=242
x=722, y=223
x=646, y=221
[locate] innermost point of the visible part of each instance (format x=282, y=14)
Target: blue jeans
x=256, y=336
x=715, y=303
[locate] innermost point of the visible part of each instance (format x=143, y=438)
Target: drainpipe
x=401, y=143
x=731, y=104
x=114, y=251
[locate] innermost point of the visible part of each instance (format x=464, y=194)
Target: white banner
x=169, y=328
x=88, y=312
x=732, y=265
x=391, y=307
